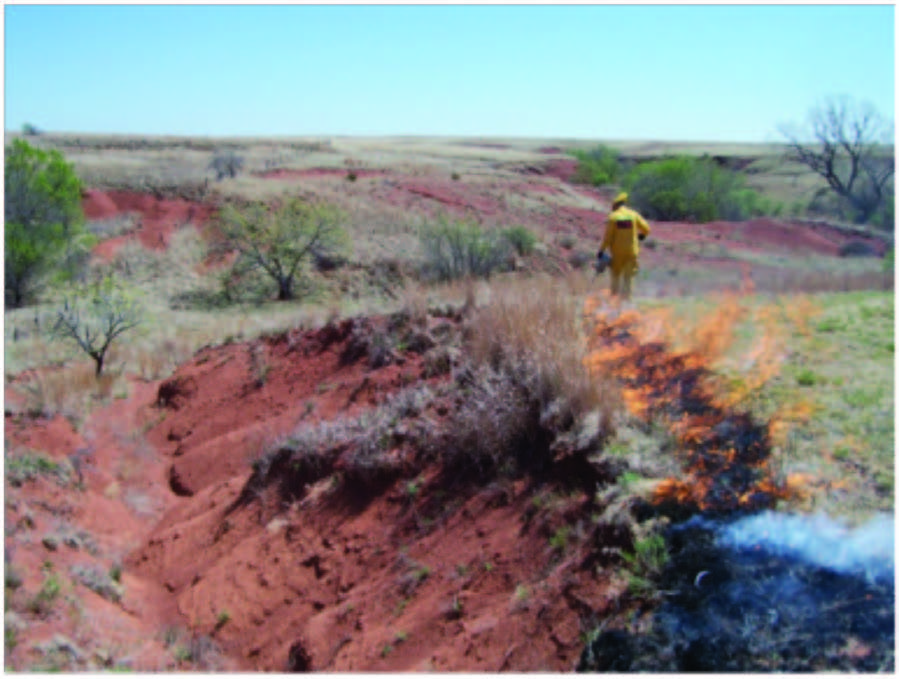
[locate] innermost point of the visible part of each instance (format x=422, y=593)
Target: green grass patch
x=42, y=602
x=26, y=466
x=842, y=373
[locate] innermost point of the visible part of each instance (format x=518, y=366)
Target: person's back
x=625, y=241
x=625, y=228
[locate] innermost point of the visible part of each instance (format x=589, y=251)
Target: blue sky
x=665, y=72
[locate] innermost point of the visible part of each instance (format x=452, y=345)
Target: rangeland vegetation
x=378, y=414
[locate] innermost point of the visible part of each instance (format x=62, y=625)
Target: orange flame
x=724, y=453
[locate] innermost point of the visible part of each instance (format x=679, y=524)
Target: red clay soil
x=764, y=235
x=401, y=581
x=231, y=401
x=441, y=195
x=158, y=218
x=535, y=187
x=397, y=583
x=91, y=525
x=128, y=481
x=562, y=168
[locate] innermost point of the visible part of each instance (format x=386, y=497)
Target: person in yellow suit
x=625, y=229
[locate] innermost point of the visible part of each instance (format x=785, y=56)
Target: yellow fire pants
x=623, y=273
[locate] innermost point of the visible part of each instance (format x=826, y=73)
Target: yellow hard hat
x=620, y=198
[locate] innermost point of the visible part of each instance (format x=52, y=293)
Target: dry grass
x=527, y=385
x=72, y=391
x=535, y=325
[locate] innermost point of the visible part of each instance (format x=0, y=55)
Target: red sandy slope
x=340, y=579
x=158, y=218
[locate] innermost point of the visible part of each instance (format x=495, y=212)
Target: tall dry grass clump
x=527, y=387
x=533, y=330
x=72, y=391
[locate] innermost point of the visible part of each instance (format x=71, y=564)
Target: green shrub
x=559, y=539
x=806, y=378
x=458, y=249
x=43, y=601
x=222, y=619
x=598, y=167
x=44, y=234
x=694, y=189
x=645, y=564
x=521, y=239
x=28, y=466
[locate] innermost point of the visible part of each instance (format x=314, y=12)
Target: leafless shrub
x=96, y=580
x=376, y=456
x=580, y=258
x=494, y=428
x=364, y=450
x=226, y=164
x=95, y=318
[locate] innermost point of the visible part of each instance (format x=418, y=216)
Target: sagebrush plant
x=94, y=578
x=521, y=238
x=311, y=452
x=460, y=249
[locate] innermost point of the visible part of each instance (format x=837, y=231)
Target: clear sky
x=666, y=72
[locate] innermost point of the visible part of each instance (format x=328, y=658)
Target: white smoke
x=867, y=550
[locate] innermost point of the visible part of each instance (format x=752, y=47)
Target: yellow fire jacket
x=622, y=230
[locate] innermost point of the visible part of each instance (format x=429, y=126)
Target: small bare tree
x=850, y=146
x=94, y=317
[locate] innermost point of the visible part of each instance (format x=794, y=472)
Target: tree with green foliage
x=94, y=316
x=695, y=189
x=44, y=223
x=850, y=145
x=599, y=166
x=280, y=240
